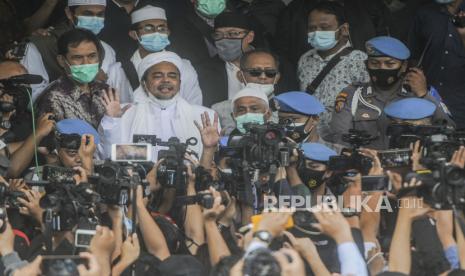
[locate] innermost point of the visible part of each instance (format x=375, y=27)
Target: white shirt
x=35, y=65
x=117, y=79
x=190, y=88
x=234, y=85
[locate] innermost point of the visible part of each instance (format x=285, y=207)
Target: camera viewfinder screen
x=131, y=152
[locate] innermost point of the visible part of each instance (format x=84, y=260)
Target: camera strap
x=312, y=87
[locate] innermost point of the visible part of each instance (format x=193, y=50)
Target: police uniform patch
x=341, y=100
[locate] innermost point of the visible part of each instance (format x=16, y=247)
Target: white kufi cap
x=249, y=92
x=86, y=2
x=156, y=58
x=146, y=13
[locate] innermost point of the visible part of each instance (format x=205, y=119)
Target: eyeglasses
x=254, y=72
x=232, y=34
x=149, y=28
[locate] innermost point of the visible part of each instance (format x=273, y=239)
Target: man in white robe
x=158, y=108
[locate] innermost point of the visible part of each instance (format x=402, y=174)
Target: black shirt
x=444, y=61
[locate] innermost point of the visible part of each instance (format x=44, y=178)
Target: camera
x=112, y=182
x=442, y=146
x=10, y=198
x=304, y=221
x=204, y=180
x=402, y=135
x=172, y=171
x=204, y=199
x=66, y=204
x=262, y=147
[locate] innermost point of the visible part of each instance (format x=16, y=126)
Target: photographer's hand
x=376, y=169
x=17, y=184
x=308, y=251
x=274, y=222
x=458, y=158
x=332, y=223
x=94, y=267
x=354, y=189
x=7, y=239
x=102, y=246
x=211, y=215
x=152, y=177
x=31, y=205
x=229, y=213
x=80, y=175
x=130, y=251
x=416, y=156
x=290, y=262
x=86, y=152
x=193, y=229
x=44, y=126
x=32, y=269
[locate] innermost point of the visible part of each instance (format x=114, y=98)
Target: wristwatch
x=263, y=236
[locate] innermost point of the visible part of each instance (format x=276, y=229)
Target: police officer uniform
x=360, y=106
x=302, y=103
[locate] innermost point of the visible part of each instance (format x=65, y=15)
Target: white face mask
x=268, y=89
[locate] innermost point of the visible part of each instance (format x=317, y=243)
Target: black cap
x=232, y=20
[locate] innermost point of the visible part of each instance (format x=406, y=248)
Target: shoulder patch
x=341, y=100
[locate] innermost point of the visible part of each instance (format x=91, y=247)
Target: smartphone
x=395, y=158
x=375, y=183
x=147, y=139
x=61, y=264
x=83, y=237
x=257, y=218
x=131, y=152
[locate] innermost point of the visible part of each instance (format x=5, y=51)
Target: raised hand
x=208, y=131
x=111, y=102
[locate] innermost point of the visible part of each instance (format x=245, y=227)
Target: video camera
x=18, y=87
x=203, y=199
x=10, y=198
x=353, y=161
x=443, y=187
x=172, y=171
x=67, y=204
x=262, y=146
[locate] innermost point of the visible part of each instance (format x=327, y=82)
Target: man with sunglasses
x=259, y=71
x=360, y=106
x=150, y=29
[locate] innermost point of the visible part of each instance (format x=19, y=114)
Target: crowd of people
x=232, y=137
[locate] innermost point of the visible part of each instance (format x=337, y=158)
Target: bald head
x=10, y=69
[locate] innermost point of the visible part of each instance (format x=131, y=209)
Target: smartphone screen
x=131, y=152
x=375, y=183
x=395, y=158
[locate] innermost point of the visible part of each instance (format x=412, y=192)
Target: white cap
x=249, y=92
x=86, y=2
x=146, y=13
x=155, y=58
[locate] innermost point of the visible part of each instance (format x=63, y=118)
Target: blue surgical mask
x=253, y=118
x=444, y=1
x=322, y=40
x=91, y=23
x=154, y=42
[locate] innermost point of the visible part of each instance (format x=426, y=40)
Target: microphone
x=26, y=79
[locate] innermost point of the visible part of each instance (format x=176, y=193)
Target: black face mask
x=383, y=78
x=6, y=107
x=297, y=133
x=311, y=178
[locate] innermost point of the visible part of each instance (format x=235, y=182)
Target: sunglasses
x=269, y=73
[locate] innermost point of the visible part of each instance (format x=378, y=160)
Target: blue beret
x=410, y=109
x=387, y=46
x=76, y=126
x=317, y=152
x=299, y=102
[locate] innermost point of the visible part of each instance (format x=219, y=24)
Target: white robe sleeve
x=190, y=88
x=110, y=133
x=110, y=57
x=117, y=79
x=34, y=64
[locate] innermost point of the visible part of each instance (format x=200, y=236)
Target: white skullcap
x=250, y=92
x=155, y=58
x=86, y=2
x=146, y=13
